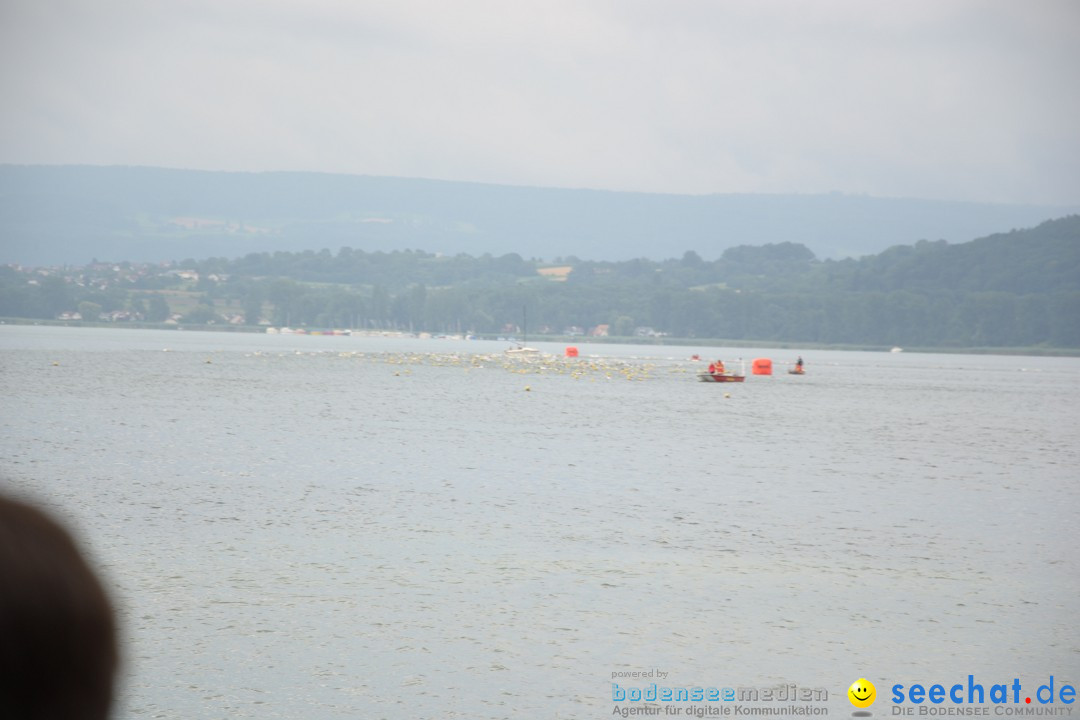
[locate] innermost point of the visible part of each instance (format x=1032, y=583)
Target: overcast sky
x=943, y=99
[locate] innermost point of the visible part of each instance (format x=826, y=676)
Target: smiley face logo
x=862, y=693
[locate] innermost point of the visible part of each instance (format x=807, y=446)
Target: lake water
x=348, y=527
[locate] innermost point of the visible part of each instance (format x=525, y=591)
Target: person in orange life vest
x=719, y=367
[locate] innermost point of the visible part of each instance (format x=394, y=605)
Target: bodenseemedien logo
x=779, y=702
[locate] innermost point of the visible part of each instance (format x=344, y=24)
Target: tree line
x=1016, y=289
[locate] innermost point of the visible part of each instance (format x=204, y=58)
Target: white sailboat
x=523, y=346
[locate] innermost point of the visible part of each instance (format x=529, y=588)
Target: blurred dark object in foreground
x=58, y=648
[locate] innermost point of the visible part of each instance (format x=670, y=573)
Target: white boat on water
x=523, y=346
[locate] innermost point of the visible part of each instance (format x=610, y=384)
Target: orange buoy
x=762, y=366
x=571, y=351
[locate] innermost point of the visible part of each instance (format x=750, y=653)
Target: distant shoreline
x=673, y=341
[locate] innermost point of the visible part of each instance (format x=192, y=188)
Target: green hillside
x=1019, y=289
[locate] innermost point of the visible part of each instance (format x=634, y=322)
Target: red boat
x=720, y=377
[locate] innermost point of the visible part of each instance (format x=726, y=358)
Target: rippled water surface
x=335, y=527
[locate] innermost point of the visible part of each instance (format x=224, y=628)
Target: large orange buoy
x=762, y=366
x=571, y=351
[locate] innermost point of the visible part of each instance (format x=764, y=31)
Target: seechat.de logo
x=978, y=693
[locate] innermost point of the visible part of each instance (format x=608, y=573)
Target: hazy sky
x=945, y=99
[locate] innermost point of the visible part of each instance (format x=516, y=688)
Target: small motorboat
x=723, y=377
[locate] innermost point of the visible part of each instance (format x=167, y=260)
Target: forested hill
x=54, y=215
x=1011, y=290
x=1041, y=260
